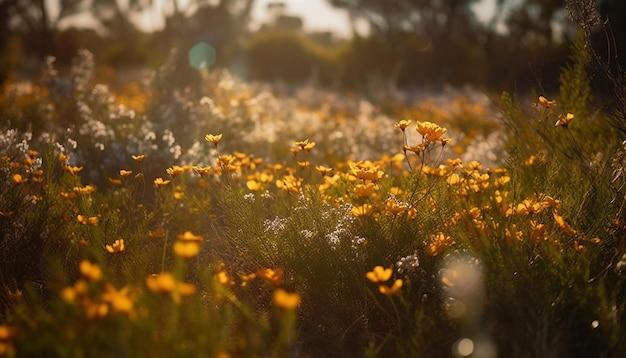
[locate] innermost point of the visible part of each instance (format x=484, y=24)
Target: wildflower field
x=253, y=220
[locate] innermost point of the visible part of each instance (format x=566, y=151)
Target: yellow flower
x=305, y=145
x=323, y=169
x=115, y=181
x=157, y=233
x=379, y=274
x=138, y=158
x=430, y=131
x=159, y=182
x=166, y=283
x=125, y=173
x=119, y=300
x=117, y=246
x=392, y=207
x=438, y=244
x=161, y=283
x=63, y=157
x=213, y=138
x=186, y=249
x=415, y=148
x=289, y=183
x=564, y=120
x=95, y=310
x=90, y=271
x=365, y=190
x=17, y=179
x=562, y=224
x=538, y=232
x=175, y=170
x=286, y=300
x=253, y=185
x=223, y=278
x=85, y=190
x=246, y=278
x=390, y=291
x=72, y=170
x=188, y=236
x=81, y=219
x=363, y=210
x=203, y=171
x=454, y=179
x=403, y=124
x=7, y=335
x=271, y=277
x=546, y=103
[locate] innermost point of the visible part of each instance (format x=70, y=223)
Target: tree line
x=409, y=42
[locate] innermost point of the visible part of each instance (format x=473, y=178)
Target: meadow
x=255, y=220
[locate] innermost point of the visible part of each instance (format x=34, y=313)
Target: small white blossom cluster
x=407, y=264
x=275, y=226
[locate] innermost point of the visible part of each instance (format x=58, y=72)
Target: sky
x=317, y=15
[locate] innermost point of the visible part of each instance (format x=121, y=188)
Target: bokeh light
x=201, y=56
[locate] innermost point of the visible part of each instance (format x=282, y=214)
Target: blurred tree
x=33, y=21
x=538, y=21
x=438, y=24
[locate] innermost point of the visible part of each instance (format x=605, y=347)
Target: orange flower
x=17, y=179
x=85, y=190
x=379, y=274
x=138, y=158
x=125, y=173
x=246, y=278
x=165, y=282
x=305, y=145
x=120, y=301
x=271, y=277
x=189, y=236
x=286, y=300
x=186, y=249
x=323, y=170
x=390, y=291
x=430, y=131
x=365, y=190
x=546, y=103
x=90, y=271
x=565, y=227
x=203, y=171
x=213, y=138
x=403, y=124
x=72, y=170
x=363, y=210
x=175, y=170
x=223, y=279
x=159, y=182
x=564, y=120
x=117, y=246
x=438, y=244
x=415, y=148
x=157, y=233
